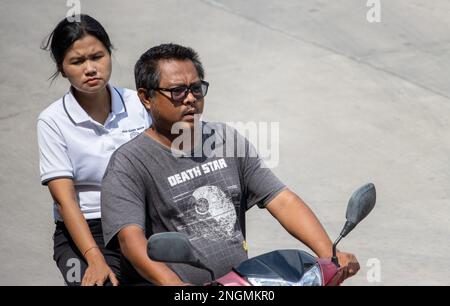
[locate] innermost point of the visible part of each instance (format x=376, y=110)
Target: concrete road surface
x=356, y=102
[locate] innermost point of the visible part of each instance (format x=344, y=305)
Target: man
x=157, y=183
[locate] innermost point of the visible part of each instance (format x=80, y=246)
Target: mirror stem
x=334, y=258
x=213, y=277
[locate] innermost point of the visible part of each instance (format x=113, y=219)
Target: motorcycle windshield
x=289, y=265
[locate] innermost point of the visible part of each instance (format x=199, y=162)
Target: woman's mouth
x=93, y=81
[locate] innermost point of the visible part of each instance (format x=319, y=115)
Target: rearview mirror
x=170, y=247
x=174, y=247
x=359, y=206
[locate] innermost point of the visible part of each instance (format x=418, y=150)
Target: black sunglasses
x=178, y=94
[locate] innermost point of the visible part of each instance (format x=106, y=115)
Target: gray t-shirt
x=204, y=197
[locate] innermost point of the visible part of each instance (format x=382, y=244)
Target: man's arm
x=298, y=219
x=134, y=247
x=123, y=206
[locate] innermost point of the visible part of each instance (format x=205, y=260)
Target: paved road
x=356, y=102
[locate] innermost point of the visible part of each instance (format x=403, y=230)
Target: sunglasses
x=178, y=94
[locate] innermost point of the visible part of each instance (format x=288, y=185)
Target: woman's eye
x=97, y=57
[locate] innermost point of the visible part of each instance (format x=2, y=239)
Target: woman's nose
x=90, y=68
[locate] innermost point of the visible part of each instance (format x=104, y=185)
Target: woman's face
x=87, y=65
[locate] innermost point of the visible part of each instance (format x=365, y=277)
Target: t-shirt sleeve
x=54, y=161
x=122, y=197
x=260, y=184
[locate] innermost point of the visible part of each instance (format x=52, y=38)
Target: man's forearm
x=134, y=247
x=298, y=219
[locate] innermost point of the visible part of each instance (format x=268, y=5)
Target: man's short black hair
x=146, y=70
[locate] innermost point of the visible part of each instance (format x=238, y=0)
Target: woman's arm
x=63, y=193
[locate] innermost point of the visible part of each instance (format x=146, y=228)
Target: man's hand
x=349, y=264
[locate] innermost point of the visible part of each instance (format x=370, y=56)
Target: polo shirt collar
x=117, y=100
x=78, y=115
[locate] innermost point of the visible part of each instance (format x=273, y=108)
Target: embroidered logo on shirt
x=134, y=132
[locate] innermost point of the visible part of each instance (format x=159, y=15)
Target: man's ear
x=145, y=100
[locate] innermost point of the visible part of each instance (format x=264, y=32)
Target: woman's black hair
x=67, y=32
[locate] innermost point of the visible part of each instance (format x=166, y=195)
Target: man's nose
x=190, y=99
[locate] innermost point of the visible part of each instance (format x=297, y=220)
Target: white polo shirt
x=73, y=145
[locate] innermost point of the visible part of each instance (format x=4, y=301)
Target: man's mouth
x=192, y=111
x=189, y=114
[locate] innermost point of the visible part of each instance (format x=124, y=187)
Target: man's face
x=165, y=111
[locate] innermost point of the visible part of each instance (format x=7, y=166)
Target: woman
x=77, y=135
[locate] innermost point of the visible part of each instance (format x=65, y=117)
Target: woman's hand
x=98, y=271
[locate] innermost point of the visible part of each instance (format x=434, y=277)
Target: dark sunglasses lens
x=178, y=94
x=198, y=91
x=203, y=88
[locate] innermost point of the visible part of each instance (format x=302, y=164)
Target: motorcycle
x=276, y=268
